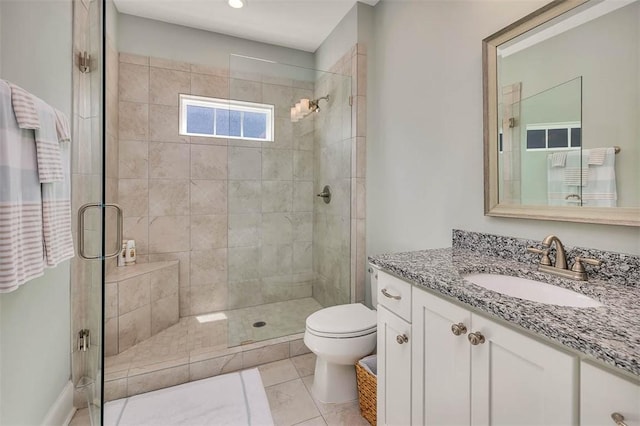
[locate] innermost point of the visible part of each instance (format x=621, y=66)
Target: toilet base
x=334, y=383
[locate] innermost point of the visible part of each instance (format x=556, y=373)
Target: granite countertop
x=609, y=334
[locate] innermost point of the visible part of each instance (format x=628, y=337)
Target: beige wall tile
x=277, y=164
x=302, y=256
x=133, y=195
x=245, y=293
x=163, y=124
x=208, y=298
x=208, y=232
x=210, y=85
x=133, y=83
x=169, y=64
x=277, y=196
x=244, y=90
x=133, y=293
x=297, y=347
x=164, y=313
x=164, y=283
x=169, y=197
x=111, y=336
x=284, y=133
x=134, y=327
x=302, y=223
x=244, y=229
x=137, y=228
x=165, y=86
x=204, y=69
x=161, y=379
x=208, y=266
x=133, y=121
x=302, y=165
x=112, y=149
x=276, y=260
x=244, y=263
x=276, y=228
x=208, y=162
x=303, y=196
x=362, y=75
x=245, y=196
x=245, y=163
x=183, y=267
x=133, y=159
x=168, y=234
x=110, y=300
x=208, y=196
x=168, y=160
x=130, y=58
x=281, y=97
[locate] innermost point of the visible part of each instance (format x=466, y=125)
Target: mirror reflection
x=568, y=102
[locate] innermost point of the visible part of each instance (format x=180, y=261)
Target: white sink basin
x=535, y=291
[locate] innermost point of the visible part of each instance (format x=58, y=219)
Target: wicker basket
x=367, y=389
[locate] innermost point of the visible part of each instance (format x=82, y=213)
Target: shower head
x=306, y=107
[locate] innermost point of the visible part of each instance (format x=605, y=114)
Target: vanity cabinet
x=394, y=369
x=394, y=350
x=502, y=377
x=604, y=394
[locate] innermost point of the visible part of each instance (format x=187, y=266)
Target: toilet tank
x=373, y=282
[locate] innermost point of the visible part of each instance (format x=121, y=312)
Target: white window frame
x=230, y=105
x=554, y=126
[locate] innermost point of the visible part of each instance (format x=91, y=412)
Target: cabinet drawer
x=603, y=393
x=395, y=295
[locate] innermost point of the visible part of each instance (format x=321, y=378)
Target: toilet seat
x=342, y=321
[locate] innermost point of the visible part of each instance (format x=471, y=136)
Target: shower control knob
x=458, y=329
x=476, y=338
x=402, y=338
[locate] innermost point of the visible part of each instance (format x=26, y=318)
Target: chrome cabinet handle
x=476, y=338
x=402, y=338
x=81, y=213
x=458, y=329
x=618, y=419
x=390, y=296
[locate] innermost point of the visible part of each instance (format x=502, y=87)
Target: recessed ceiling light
x=236, y=4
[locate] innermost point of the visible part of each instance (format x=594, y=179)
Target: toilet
x=340, y=336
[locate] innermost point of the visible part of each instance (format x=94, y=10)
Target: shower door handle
x=81, y=221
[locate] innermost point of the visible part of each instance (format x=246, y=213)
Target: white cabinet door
x=603, y=394
x=516, y=380
x=441, y=362
x=394, y=369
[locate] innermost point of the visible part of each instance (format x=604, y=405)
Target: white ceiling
x=298, y=24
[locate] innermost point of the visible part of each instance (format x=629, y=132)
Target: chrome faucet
x=560, y=268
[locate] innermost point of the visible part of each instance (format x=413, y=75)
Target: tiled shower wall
x=236, y=214
x=340, y=161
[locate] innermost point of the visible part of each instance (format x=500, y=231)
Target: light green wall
x=35, y=348
x=424, y=131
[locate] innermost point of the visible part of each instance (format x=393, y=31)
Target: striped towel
x=21, y=248
x=30, y=116
x=601, y=190
x=56, y=196
x=24, y=108
x=596, y=156
x=576, y=171
x=558, y=159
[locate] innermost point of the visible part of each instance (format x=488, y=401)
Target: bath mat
x=231, y=399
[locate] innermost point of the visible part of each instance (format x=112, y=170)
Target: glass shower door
x=88, y=198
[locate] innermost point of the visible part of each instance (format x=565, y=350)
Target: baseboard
x=62, y=409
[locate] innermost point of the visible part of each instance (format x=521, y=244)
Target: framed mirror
x=562, y=114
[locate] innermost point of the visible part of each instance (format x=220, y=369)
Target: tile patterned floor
x=287, y=384
x=231, y=328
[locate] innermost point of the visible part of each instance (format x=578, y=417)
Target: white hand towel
x=558, y=159
x=596, y=156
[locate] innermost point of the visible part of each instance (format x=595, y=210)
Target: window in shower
x=222, y=118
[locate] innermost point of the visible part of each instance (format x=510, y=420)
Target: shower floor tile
x=209, y=334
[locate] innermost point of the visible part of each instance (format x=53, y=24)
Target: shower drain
x=259, y=324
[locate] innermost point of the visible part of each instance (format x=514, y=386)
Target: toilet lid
x=343, y=320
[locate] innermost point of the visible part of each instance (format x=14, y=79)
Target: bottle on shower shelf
x=130, y=253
